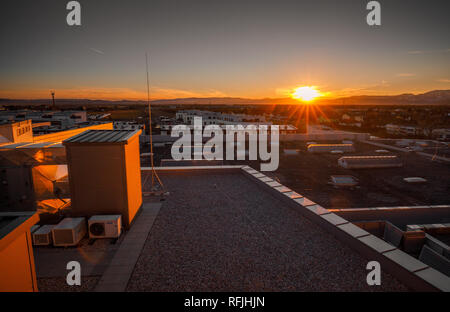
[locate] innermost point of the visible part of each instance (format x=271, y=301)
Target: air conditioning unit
x=69, y=232
x=43, y=235
x=105, y=226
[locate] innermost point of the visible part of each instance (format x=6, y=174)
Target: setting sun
x=306, y=94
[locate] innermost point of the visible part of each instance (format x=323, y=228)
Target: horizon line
x=224, y=97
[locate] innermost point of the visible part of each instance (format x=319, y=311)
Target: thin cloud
x=111, y=93
x=405, y=75
x=416, y=52
x=97, y=51
x=428, y=51
x=373, y=89
x=443, y=80
x=169, y=93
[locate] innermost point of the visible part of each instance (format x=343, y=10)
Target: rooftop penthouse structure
x=359, y=162
x=104, y=175
x=327, y=148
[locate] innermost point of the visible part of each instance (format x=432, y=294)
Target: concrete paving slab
x=273, y=184
x=317, y=209
x=259, y=175
x=405, y=260
x=293, y=195
x=283, y=189
x=353, y=230
x=435, y=278
x=334, y=219
x=51, y=262
x=376, y=243
x=116, y=276
x=304, y=201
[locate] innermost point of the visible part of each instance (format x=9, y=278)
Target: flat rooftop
x=430, y=147
x=222, y=231
x=308, y=174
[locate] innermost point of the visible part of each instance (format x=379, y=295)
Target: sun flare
x=306, y=94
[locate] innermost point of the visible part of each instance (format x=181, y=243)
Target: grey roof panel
x=99, y=137
x=37, y=145
x=14, y=145
x=102, y=136
x=118, y=137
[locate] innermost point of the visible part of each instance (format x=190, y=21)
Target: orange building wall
x=133, y=176
x=17, y=270
x=96, y=176
x=105, y=179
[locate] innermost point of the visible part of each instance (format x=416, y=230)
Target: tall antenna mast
x=53, y=98
x=155, y=176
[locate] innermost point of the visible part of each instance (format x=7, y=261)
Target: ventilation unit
x=43, y=235
x=105, y=226
x=69, y=232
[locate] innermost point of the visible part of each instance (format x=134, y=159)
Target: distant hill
x=441, y=97
x=436, y=97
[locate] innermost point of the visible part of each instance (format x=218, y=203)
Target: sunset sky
x=243, y=48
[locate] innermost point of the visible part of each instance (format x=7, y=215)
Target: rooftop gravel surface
x=221, y=231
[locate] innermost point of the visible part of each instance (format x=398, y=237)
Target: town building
x=63, y=119
x=16, y=131
x=217, y=118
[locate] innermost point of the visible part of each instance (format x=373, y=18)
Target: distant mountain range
x=432, y=97
x=436, y=97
